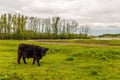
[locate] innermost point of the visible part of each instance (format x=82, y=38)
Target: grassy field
x=72, y=60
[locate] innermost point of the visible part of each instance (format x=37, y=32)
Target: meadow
x=65, y=60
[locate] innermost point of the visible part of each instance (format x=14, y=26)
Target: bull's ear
x=47, y=49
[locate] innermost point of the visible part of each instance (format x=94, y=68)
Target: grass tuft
x=69, y=59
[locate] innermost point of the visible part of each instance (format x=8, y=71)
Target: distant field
x=65, y=60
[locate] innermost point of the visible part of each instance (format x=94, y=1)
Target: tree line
x=18, y=26
x=110, y=35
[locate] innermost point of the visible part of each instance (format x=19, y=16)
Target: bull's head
x=43, y=51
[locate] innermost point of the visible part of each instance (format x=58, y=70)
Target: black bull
x=31, y=51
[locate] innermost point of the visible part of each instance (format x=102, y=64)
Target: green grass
x=62, y=62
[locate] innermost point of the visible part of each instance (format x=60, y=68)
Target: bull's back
x=24, y=46
x=25, y=50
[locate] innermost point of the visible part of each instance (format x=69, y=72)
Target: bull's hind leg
x=24, y=60
x=38, y=62
x=19, y=57
x=33, y=61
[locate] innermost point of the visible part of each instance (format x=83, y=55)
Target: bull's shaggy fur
x=31, y=51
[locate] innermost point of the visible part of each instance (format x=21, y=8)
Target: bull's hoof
x=33, y=63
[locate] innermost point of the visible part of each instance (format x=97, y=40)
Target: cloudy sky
x=102, y=15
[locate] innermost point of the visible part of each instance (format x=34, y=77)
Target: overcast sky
x=102, y=15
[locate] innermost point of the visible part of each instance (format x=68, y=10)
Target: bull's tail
x=19, y=56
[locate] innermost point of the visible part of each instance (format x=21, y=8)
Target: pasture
x=65, y=60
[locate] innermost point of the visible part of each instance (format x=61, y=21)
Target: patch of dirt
x=72, y=43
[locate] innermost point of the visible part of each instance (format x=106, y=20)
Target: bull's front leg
x=38, y=62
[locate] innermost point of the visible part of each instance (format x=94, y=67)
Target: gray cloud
x=100, y=12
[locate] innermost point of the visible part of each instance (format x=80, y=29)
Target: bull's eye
x=47, y=49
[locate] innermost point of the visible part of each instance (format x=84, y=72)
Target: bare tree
x=85, y=30
x=55, y=21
